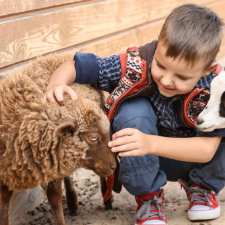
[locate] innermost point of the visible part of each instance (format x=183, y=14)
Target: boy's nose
x=166, y=81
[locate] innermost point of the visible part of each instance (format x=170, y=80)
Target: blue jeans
x=141, y=175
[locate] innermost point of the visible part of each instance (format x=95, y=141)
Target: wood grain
x=48, y=31
x=114, y=44
x=11, y=7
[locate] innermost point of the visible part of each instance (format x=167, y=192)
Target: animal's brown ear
x=2, y=148
x=91, y=116
x=68, y=126
x=3, y=137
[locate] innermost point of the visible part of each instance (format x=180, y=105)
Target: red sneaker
x=150, y=209
x=204, y=204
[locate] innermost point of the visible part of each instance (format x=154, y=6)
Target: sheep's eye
x=93, y=138
x=89, y=137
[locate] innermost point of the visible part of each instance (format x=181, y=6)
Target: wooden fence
x=30, y=28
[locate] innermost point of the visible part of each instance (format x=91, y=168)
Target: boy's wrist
x=155, y=144
x=63, y=75
x=152, y=144
x=53, y=85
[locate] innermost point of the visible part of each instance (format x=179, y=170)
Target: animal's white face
x=213, y=115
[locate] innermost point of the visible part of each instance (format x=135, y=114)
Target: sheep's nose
x=113, y=167
x=199, y=121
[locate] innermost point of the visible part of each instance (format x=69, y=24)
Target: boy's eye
x=182, y=78
x=160, y=66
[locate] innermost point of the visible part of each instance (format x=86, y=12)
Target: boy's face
x=174, y=76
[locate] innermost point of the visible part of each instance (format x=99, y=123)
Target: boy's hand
x=55, y=94
x=132, y=142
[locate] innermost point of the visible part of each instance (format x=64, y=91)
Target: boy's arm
x=193, y=149
x=63, y=76
x=132, y=142
x=86, y=68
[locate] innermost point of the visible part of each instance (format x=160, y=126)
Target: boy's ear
x=211, y=68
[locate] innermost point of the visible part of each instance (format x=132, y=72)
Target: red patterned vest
x=135, y=77
x=136, y=80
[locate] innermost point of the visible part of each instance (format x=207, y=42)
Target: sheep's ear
x=91, y=116
x=3, y=139
x=67, y=126
x=2, y=148
x=3, y=133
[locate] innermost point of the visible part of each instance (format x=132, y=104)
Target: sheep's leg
x=71, y=196
x=5, y=196
x=54, y=194
x=110, y=184
x=105, y=191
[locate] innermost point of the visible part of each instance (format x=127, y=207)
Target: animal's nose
x=113, y=166
x=199, y=121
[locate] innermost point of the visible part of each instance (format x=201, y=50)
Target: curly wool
x=37, y=139
x=42, y=69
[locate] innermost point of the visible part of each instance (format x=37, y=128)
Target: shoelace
x=198, y=195
x=150, y=209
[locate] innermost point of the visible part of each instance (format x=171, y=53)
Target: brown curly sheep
x=41, y=143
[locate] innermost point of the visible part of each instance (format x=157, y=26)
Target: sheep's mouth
x=104, y=173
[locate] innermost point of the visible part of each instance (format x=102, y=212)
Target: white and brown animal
x=213, y=115
x=41, y=143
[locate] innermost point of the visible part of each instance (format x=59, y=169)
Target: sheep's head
x=213, y=115
x=62, y=139
x=93, y=131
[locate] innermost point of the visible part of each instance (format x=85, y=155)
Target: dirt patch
x=34, y=209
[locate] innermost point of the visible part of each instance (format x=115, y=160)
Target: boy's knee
x=138, y=173
x=135, y=113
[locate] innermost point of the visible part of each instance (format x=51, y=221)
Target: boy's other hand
x=56, y=94
x=132, y=142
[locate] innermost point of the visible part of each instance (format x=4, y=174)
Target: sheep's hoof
x=72, y=203
x=108, y=205
x=71, y=196
x=72, y=212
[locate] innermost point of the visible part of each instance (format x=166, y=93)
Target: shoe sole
x=156, y=223
x=204, y=215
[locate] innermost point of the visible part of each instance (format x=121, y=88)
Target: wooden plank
x=42, y=32
x=9, y=7
x=116, y=43
x=134, y=37
x=112, y=44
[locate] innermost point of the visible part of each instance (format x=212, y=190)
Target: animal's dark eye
x=222, y=105
x=90, y=137
x=93, y=138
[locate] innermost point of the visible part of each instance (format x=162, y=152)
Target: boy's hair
x=192, y=32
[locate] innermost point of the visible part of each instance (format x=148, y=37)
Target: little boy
x=148, y=86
